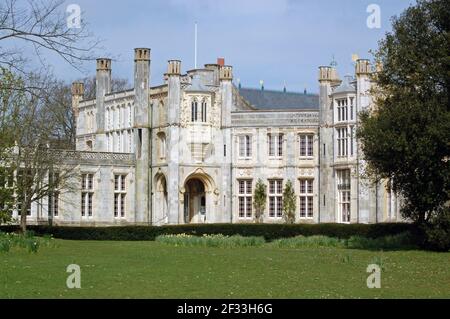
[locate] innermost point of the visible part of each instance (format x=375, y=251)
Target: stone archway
x=194, y=201
x=198, y=198
x=161, y=203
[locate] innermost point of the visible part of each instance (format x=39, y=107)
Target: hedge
x=268, y=231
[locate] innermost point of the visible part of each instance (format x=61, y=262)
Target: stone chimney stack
x=173, y=138
x=362, y=67
x=141, y=87
x=174, y=68
x=327, y=78
x=142, y=140
x=77, y=96
x=103, y=87
x=226, y=91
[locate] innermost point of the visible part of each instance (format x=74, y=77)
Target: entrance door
x=194, y=201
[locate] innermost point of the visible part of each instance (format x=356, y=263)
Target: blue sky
x=272, y=40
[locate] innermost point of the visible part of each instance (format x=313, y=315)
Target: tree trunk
x=23, y=215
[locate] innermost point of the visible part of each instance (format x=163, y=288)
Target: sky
x=281, y=42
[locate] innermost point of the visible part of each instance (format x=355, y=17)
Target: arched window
x=161, y=145
x=194, y=107
x=204, y=105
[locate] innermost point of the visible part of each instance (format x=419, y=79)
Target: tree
x=289, y=203
x=405, y=138
x=59, y=105
x=41, y=26
x=259, y=201
x=37, y=172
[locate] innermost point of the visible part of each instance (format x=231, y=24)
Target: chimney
x=141, y=86
x=221, y=61
x=77, y=96
x=174, y=67
x=103, y=87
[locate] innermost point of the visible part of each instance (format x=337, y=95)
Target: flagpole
x=195, y=47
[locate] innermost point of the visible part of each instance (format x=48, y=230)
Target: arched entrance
x=194, y=201
x=161, y=211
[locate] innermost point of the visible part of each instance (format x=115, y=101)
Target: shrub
x=27, y=241
x=268, y=231
x=400, y=241
x=312, y=241
x=437, y=231
x=210, y=240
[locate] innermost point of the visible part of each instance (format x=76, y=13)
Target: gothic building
x=191, y=151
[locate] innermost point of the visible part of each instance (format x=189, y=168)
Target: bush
x=400, y=241
x=268, y=231
x=312, y=241
x=437, y=232
x=27, y=241
x=210, y=240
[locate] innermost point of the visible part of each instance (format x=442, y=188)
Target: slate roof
x=277, y=100
x=346, y=85
x=197, y=85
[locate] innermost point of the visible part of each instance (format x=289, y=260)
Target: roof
x=273, y=100
x=197, y=85
x=346, y=85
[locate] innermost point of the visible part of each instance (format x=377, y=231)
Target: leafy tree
x=405, y=138
x=259, y=201
x=289, y=203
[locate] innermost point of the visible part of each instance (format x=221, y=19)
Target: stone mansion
x=192, y=150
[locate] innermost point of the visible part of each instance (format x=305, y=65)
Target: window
x=194, y=107
x=245, y=198
x=53, y=196
x=245, y=146
x=19, y=209
x=129, y=115
x=162, y=145
x=120, y=194
x=276, y=198
x=342, y=141
x=87, y=193
x=306, y=198
x=343, y=186
x=7, y=193
x=24, y=180
x=275, y=142
x=306, y=145
x=342, y=110
x=352, y=134
x=351, y=108
x=204, y=105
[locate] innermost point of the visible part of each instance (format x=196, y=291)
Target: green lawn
x=152, y=270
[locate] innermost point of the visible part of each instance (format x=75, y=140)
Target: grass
x=114, y=269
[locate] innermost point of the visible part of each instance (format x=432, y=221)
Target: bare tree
x=38, y=172
x=59, y=105
x=42, y=26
